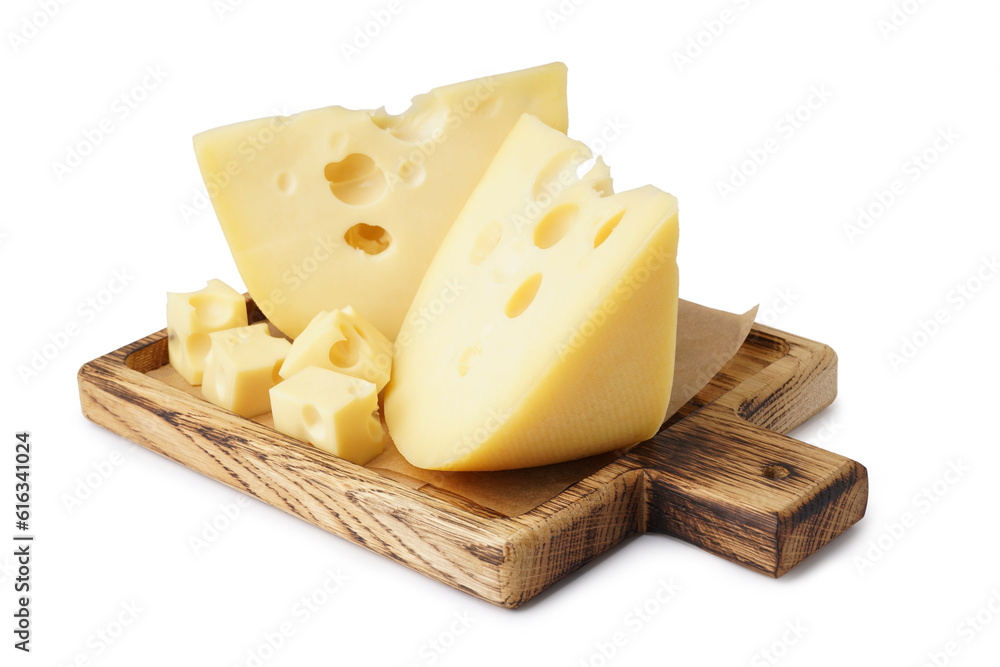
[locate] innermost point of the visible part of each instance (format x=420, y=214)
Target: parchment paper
x=706, y=340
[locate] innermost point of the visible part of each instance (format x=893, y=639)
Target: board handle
x=746, y=493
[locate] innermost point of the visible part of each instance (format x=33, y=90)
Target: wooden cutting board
x=719, y=475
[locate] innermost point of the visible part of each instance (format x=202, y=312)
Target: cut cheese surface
x=544, y=329
x=335, y=207
x=342, y=341
x=330, y=410
x=192, y=316
x=241, y=367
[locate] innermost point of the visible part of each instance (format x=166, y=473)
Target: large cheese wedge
x=544, y=328
x=336, y=207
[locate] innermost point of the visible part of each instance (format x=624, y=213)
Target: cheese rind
x=241, y=367
x=335, y=207
x=191, y=316
x=561, y=343
x=342, y=341
x=330, y=410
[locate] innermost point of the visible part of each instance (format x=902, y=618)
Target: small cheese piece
x=342, y=341
x=330, y=410
x=335, y=207
x=560, y=343
x=242, y=365
x=194, y=315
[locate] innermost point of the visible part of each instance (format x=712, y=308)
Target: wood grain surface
x=719, y=475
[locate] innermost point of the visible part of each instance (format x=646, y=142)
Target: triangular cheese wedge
x=336, y=207
x=544, y=329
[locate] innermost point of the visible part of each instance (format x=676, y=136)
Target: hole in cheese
x=212, y=310
x=286, y=182
x=371, y=239
x=468, y=358
x=488, y=108
x=486, y=242
x=355, y=180
x=607, y=227
x=523, y=296
x=557, y=174
x=422, y=121
x=555, y=224
x=313, y=422
x=413, y=174
x=345, y=353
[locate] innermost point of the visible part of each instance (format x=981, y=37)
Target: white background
x=883, y=593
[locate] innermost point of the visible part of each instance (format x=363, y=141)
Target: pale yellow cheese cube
x=343, y=341
x=241, y=366
x=192, y=316
x=330, y=410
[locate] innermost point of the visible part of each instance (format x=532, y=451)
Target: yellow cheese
x=241, y=366
x=192, y=316
x=336, y=207
x=343, y=341
x=330, y=410
x=560, y=341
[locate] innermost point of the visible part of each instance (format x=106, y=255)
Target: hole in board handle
x=775, y=471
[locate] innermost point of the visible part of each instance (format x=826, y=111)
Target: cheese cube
x=334, y=207
x=560, y=343
x=241, y=366
x=343, y=341
x=194, y=315
x=330, y=410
